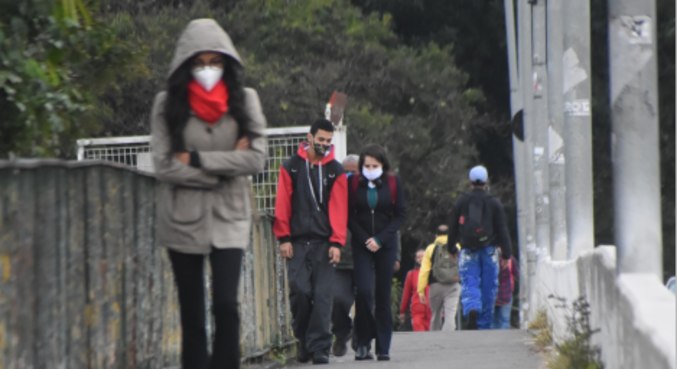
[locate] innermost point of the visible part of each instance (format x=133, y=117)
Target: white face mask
x=373, y=173
x=207, y=76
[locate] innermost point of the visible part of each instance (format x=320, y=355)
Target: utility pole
x=516, y=115
x=538, y=127
x=525, y=166
x=556, y=143
x=635, y=143
x=578, y=127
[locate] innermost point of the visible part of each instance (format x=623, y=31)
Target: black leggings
x=189, y=278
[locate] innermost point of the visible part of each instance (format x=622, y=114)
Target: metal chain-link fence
x=282, y=143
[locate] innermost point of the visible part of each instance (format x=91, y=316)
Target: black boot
x=302, y=355
x=339, y=348
x=472, y=319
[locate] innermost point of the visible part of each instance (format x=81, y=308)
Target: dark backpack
x=476, y=231
x=444, y=265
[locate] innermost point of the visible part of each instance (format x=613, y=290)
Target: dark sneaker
x=362, y=353
x=320, y=358
x=302, y=355
x=383, y=357
x=339, y=347
x=472, y=319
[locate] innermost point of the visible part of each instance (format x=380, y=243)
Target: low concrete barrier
x=83, y=284
x=634, y=312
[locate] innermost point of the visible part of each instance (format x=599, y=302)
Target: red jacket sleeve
x=338, y=210
x=283, y=208
x=407, y=292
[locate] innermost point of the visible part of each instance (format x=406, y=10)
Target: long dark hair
x=177, y=109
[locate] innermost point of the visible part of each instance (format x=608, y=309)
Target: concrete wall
x=83, y=283
x=634, y=312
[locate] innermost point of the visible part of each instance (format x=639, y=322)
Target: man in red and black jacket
x=311, y=217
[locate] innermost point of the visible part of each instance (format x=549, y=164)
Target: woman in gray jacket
x=207, y=138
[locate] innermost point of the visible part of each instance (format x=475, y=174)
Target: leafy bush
x=55, y=60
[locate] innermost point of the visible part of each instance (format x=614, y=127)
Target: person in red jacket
x=420, y=313
x=311, y=220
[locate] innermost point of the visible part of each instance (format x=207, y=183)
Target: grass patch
x=542, y=331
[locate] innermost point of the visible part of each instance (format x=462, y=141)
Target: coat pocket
x=187, y=205
x=232, y=200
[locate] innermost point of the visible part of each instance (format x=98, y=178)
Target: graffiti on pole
x=574, y=73
x=555, y=146
x=577, y=108
x=637, y=29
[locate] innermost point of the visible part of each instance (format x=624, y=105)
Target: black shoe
x=383, y=357
x=339, y=347
x=302, y=355
x=362, y=353
x=320, y=358
x=472, y=319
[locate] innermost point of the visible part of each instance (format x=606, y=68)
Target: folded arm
x=166, y=166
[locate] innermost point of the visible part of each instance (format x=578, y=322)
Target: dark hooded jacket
x=312, y=199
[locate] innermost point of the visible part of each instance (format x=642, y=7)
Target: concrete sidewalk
x=494, y=349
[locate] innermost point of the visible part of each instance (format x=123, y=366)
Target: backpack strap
x=392, y=184
x=353, y=184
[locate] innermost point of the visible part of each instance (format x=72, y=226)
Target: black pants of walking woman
x=189, y=277
x=373, y=318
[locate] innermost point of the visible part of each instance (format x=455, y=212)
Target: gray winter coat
x=208, y=206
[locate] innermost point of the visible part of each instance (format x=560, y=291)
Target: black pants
x=189, y=277
x=373, y=317
x=310, y=283
x=344, y=295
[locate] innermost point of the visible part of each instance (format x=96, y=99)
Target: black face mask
x=321, y=149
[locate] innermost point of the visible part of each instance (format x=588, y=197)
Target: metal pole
x=516, y=106
x=635, y=144
x=578, y=127
x=556, y=157
x=524, y=164
x=538, y=128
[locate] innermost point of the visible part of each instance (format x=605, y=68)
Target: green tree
x=411, y=100
x=55, y=60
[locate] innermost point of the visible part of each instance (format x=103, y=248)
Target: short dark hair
x=442, y=229
x=377, y=152
x=321, y=124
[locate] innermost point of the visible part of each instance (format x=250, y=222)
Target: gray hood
x=202, y=35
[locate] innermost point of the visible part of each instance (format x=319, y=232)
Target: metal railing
x=282, y=143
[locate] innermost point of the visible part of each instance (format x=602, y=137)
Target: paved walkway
x=460, y=349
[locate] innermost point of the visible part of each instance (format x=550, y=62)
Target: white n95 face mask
x=207, y=76
x=372, y=174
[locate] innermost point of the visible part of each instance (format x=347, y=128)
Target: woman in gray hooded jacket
x=207, y=137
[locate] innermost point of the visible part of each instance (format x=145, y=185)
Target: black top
x=493, y=219
x=385, y=220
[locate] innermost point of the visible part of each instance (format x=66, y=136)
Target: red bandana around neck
x=208, y=105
